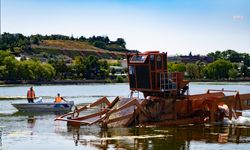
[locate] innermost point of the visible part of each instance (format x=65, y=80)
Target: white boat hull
x=44, y=107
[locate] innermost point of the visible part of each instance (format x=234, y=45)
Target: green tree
x=26, y=70
x=104, y=69
x=100, y=44
x=79, y=66
x=246, y=59
x=11, y=67
x=201, y=65
x=216, y=55
x=82, y=38
x=103, y=73
x=218, y=69
x=119, y=79
x=10, y=41
x=2, y=72
x=104, y=64
x=60, y=67
x=113, y=72
x=229, y=55
x=3, y=55
x=121, y=42
x=176, y=67
x=244, y=71
x=35, y=39
x=92, y=67
x=192, y=71
x=44, y=72
x=233, y=73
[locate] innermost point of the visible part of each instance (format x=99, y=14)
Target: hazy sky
x=175, y=26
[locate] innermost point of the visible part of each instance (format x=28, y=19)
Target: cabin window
x=248, y=102
x=165, y=61
x=158, y=58
x=159, y=62
x=138, y=59
x=152, y=57
x=152, y=62
x=131, y=70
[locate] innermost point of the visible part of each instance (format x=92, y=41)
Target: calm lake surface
x=40, y=131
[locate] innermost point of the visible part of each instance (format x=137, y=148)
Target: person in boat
x=31, y=95
x=59, y=99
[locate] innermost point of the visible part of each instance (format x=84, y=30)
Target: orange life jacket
x=58, y=99
x=31, y=94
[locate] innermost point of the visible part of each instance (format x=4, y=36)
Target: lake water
x=40, y=131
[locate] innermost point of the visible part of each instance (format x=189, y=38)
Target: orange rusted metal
x=166, y=99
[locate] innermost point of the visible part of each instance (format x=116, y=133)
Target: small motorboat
x=44, y=106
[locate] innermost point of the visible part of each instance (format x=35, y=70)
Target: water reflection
x=158, y=138
x=1, y=138
x=31, y=121
x=16, y=133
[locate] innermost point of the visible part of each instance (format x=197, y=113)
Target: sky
x=172, y=26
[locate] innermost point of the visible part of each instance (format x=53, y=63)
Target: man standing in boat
x=31, y=95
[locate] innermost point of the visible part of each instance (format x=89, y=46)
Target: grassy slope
x=74, y=48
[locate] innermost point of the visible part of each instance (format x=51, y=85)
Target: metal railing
x=168, y=81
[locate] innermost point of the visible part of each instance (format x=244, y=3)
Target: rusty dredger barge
x=166, y=99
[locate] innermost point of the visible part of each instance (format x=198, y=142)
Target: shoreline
x=211, y=80
x=54, y=82
x=70, y=82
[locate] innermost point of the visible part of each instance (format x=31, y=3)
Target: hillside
x=48, y=48
x=55, y=46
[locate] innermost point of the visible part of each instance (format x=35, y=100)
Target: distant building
x=21, y=57
x=173, y=58
x=194, y=58
x=18, y=58
x=124, y=63
x=117, y=71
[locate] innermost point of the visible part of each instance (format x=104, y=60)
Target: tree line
x=12, y=69
x=89, y=67
x=227, y=64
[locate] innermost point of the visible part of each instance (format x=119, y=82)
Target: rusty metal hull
x=158, y=111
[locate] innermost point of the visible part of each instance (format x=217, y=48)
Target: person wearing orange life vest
x=59, y=99
x=31, y=95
